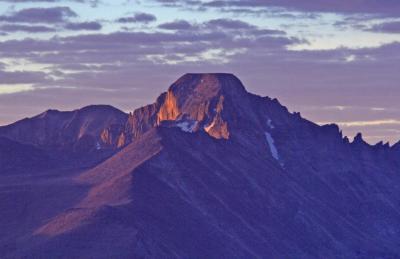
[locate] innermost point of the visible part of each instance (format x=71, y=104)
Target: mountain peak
x=199, y=100
x=359, y=140
x=100, y=108
x=208, y=84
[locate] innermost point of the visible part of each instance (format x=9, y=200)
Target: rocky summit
x=207, y=171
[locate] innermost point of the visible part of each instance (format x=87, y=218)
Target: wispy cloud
x=25, y=28
x=89, y=26
x=40, y=15
x=138, y=18
x=11, y=89
x=386, y=7
x=385, y=122
x=386, y=27
x=337, y=107
x=92, y=3
x=378, y=109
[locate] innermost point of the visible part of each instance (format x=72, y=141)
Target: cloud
x=56, y=16
x=176, y=25
x=258, y=47
x=22, y=77
x=25, y=28
x=230, y=24
x=138, y=18
x=387, y=7
x=110, y=60
x=179, y=46
x=93, y=3
x=27, y=1
x=378, y=109
x=31, y=1
x=217, y=25
x=336, y=107
x=89, y=26
x=40, y=15
x=386, y=27
x=11, y=89
x=20, y=81
x=366, y=123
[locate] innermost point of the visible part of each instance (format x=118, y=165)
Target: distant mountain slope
x=92, y=127
x=72, y=139
x=212, y=171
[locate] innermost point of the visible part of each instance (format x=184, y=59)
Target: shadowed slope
x=185, y=201
x=17, y=157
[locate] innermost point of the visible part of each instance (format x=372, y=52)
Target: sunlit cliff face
x=204, y=110
x=170, y=110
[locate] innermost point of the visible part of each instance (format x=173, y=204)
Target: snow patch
x=270, y=125
x=187, y=126
x=210, y=126
x=272, y=146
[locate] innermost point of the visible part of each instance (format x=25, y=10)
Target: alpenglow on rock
x=207, y=171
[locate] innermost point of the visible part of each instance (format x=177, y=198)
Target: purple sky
x=333, y=61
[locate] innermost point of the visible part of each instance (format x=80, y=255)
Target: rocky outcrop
x=208, y=100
